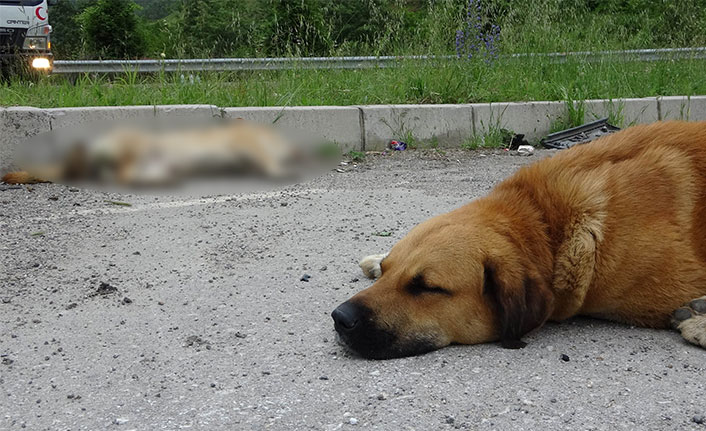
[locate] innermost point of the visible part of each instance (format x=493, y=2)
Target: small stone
x=283, y=204
x=71, y=306
x=355, y=280
x=105, y=289
x=305, y=277
x=7, y=361
x=565, y=357
x=53, y=198
x=213, y=385
x=450, y=419
x=323, y=268
x=136, y=253
x=353, y=421
x=699, y=419
x=382, y=396
x=323, y=378
x=120, y=421
x=127, y=300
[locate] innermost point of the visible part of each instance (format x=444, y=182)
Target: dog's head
x=457, y=278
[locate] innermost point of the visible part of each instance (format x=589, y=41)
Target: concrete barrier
x=368, y=127
x=16, y=126
x=533, y=119
x=188, y=111
x=622, y=112
x=338, y=124
x=61, y=118
x=682, y=108
x=447, y=125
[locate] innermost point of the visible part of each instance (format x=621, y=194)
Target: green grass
x=356, y=156
x=433, y=82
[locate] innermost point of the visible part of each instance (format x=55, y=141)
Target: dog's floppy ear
x=523, y=301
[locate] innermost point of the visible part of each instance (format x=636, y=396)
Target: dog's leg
x=371, y=265
x=690, y=320
x=573, y=271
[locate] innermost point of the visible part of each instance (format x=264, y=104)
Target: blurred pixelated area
x=155, y=156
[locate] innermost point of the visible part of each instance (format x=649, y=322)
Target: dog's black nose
x=345, y=316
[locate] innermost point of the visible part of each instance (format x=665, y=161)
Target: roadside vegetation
x=258, y=28
x=467, y=81
x=476, y=32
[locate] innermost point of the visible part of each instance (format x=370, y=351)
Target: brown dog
x=614, y=229
x=139, y=156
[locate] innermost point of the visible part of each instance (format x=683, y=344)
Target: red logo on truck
x=39, y=13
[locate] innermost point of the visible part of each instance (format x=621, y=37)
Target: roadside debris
x=397, y=145
x=525, y=150
x=579, y=135
x=516, y=140
x=118, y=203
x=382, y=233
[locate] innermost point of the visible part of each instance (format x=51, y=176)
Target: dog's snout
x=346, y=316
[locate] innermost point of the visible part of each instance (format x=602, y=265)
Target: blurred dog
x=612, y=229
x=134, y=156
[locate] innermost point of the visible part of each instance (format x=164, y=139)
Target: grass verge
x=432, y=82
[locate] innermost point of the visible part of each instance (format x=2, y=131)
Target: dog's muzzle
x=360, y=332
x=346, y=317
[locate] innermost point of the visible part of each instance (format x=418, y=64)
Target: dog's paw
x=690, y=320
x=371, y=265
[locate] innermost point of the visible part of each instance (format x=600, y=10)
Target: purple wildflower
x=473, y=39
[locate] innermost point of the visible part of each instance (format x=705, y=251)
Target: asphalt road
x=189, y=313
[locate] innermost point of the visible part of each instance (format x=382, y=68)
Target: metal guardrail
x=365, y=62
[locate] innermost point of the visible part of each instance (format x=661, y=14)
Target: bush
x=111, y=29
x=215, y=28
x=66, y=38
x=295, y=27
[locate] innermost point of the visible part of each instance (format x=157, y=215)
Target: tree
x=215, y=27
x=66, y=39
x=111, y=29
x=297, y=27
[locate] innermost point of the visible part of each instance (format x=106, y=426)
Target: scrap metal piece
x=579, y=135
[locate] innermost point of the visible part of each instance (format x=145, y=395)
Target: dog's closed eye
x=418, y=286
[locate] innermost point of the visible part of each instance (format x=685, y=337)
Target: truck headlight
x=34, y=42
x=41, y=63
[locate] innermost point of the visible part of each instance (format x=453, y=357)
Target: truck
x=25, y=44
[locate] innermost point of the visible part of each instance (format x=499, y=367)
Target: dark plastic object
x=579, y=135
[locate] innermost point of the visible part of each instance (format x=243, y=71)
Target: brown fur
x=21, y=177
x=133, y=156
x=614, y=229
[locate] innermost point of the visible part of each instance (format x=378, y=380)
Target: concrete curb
x=369, y=127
